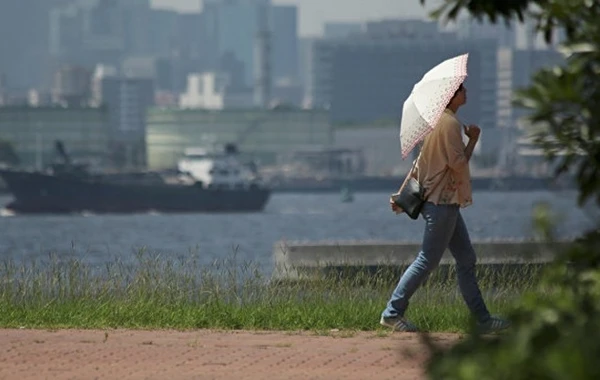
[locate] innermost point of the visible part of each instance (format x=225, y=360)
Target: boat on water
x=204, y=181
x=346, y=195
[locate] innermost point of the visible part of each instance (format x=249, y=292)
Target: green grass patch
x=158, y=293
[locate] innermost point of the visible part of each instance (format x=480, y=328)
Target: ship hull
x=36, y=192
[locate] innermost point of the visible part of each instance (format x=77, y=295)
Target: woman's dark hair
x=460, y=88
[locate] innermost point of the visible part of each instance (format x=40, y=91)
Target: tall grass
x=180, y=293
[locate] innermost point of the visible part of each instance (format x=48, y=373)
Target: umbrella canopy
x=428, y=99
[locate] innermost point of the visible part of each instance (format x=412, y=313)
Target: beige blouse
x=444, y=148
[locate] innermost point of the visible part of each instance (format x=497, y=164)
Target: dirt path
x=205, y=354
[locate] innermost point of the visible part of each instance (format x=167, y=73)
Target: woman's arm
x=457, y=153
x=473, y=132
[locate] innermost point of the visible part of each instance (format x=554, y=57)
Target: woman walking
x=442, y=168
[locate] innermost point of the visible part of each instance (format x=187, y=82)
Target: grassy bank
x=159, y=293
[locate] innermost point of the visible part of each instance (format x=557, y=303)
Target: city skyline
x=313, y=14
x=237, y=59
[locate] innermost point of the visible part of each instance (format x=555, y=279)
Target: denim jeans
x=444, y=228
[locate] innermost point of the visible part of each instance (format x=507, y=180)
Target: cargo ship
x=204, y=181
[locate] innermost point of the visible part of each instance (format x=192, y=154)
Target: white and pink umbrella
x=428, y=99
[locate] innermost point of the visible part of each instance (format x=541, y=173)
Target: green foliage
x=555, y=337
x=543, y=221
x=565, y=100
x=481, y=9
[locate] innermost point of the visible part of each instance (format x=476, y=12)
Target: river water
x=97, y=239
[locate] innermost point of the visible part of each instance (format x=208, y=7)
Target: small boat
x=347, y=195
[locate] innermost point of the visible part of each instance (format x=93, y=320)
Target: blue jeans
x=444, y=228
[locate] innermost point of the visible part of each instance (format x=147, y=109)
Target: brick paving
x=206, y=354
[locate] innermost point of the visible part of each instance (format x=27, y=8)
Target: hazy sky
x=314, y=13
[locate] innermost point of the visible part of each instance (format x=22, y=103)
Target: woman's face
x=461, y=95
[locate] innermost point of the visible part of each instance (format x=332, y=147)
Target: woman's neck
x=453, y=108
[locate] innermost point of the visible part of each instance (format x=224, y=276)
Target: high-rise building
x=164, y=32
x=284, y=37
x=66, y=34
x=469, y=28
x=136, y=19
x=262, y=59
x=104, y=32
x=127, y=100
x=524, y=64
x=305, y=72
x=241, y=41
x=89, y=32
x=367, y=78
x=342, y=29
x=24, y=56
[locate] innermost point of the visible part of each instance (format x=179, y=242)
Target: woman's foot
x=492, y=325
x=398, y=324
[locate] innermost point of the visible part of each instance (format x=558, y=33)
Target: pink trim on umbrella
x=417, y=140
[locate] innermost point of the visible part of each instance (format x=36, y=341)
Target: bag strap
x=409, y=173
x=446, y=170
